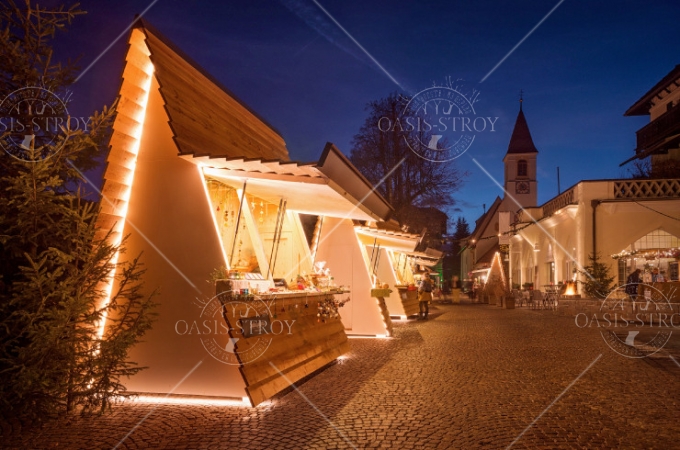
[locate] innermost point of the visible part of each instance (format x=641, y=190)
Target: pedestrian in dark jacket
x=425, y=296
x=632, y=283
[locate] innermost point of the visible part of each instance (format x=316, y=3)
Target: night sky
x=579, y=70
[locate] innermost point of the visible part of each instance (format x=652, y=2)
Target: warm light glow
x=571, y=288
x=133, y=148
x=377, y=336
x=171, y=400
x=497, y=259
x=212, y=214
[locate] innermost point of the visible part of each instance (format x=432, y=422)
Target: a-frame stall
x=179, y=136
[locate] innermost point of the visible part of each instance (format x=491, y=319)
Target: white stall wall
x=340, y=248
x=168, y=205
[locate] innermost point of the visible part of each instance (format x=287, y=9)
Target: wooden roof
x=641, y=107
x=207, y=119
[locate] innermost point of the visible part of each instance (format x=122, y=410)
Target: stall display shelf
x=409, y=300
x=299, y=341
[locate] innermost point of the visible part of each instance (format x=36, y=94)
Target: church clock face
x=522, y=187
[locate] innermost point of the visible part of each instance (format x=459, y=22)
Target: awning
x=332, y=187
x=397, y=241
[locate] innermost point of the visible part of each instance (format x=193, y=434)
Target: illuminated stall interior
x=390, y=256
x=263, y=239
x=333, y=192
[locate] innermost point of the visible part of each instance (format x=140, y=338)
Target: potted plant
x=528, y=286
x=220, y=277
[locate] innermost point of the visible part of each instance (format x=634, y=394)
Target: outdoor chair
x=537, y=299
x=519, y=300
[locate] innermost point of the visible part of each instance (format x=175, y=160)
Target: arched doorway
x=657, y=249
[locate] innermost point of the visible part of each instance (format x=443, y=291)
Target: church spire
x=520, y=141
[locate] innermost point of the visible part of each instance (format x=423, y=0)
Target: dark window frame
x=522, y=168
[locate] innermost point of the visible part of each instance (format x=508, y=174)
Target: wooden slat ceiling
x=382, y=232
x=205, y=118
x=257, y=165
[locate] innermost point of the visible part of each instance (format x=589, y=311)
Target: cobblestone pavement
x=472, y=376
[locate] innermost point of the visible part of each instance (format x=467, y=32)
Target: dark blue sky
x=580, y=70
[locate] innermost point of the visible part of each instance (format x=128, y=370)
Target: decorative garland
x=328, y=308
x=670, y=253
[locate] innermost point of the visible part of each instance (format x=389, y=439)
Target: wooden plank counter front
x=409, y=300
x=280, y=333
x=380, y=295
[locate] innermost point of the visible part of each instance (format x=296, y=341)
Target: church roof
x=482, y=223
x=521, y=141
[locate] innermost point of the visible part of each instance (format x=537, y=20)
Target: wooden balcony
x=656, y=132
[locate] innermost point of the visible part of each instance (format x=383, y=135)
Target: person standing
x=455, y=289
x=425, y=296
x=632, y=283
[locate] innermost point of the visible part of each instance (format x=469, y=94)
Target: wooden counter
x=380, y=295
x=670, y=289
x=281, y=331
x=409, y=300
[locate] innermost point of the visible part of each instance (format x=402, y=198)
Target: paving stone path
x=473, y=376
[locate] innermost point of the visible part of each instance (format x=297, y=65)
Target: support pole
x=270, y=271
x=238, y=223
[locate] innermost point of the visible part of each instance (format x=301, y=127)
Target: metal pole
x=377, y=258
x=373, y=252
x=238, y=222
x=283, y=212
x=318, y=239
x=276, y=229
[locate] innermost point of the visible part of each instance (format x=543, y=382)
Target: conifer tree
x=598, y=281
x=55, y=356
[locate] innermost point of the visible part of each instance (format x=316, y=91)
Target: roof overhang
x=333, y=187
x=423, y=259
x=400, y=242
x=641, y=107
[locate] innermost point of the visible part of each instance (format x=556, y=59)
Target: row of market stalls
x=300, y=255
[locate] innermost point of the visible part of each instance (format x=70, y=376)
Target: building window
x=521, y=168
x=622, y=272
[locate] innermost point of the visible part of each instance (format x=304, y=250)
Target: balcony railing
x=666, y=125
x=669, y=187
x=559, y=202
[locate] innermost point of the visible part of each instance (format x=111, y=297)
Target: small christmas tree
x=598, y=282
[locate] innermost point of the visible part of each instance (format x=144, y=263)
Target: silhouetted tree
x=401, y=176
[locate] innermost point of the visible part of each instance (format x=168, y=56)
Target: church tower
x=520, y=165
